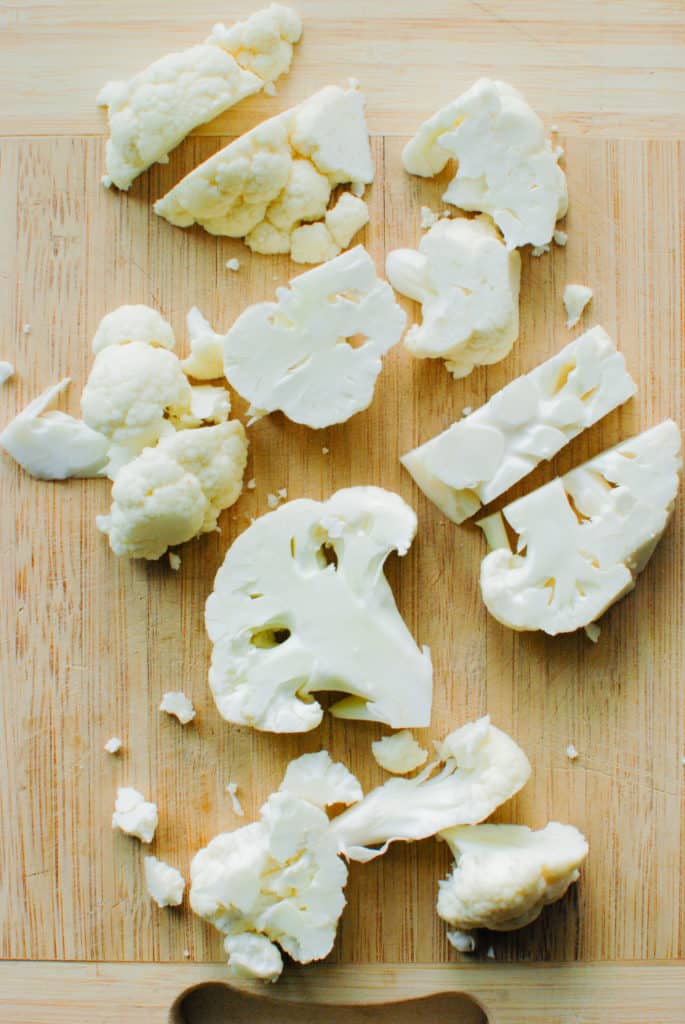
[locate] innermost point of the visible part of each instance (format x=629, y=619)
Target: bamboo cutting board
x=89, y=643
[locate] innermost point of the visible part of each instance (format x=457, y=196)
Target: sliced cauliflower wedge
x=482, y=455
x=480, y=768
x=316, y=352
x=584, y=537
x=504, y=875
x=301, y=605
x=176, y=490
x=468, y=285
x=273, y=185
x=506, y=166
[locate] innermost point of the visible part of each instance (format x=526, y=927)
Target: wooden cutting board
x=89, y=643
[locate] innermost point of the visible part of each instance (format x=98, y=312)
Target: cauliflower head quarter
x=301, y=605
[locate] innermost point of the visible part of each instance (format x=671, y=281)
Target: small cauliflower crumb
x=467, y=410
x=576, y=298
x=399, y=753
x=554, y=128
x=463, y=942
x=164, y=883
x=269, y=89
x=560, y=238
x=186, y=953
x=540, y=250
x=174, y=561
x=282, y=493
x=571, y=752
x=176, y=703
x=233, y=263
x=251, y=484
x=324, y=450
x=113, y=745
x=490, y=953
x=353, y=83
x=428, y=217
x=26, y=328
x=135, y=815
x=232, y=790
x=592, y=632
x=6, y=371
x=272, y=500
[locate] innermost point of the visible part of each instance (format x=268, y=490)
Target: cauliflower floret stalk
x=301, y=605
x=505, y=874
x=480, y=767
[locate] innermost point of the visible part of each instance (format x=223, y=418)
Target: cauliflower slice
x=531, y=419
x=164, y=883
x=584, y=537
x=468, y=286
x=53, y=445
x=299, y=354
x=481, y=768
x=135, y=815
x=175, y=491
x=301, y=605
x=399, y=753
x=506, y=166
x=133, y=323
x=152, y=112
x=268, y=185
x=505, y=874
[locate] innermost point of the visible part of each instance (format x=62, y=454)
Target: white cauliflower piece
x=346, y=218
x=153, y=111
x=531, y=419
x=175, y=703
x=584, y=537
x=232, y=790
x=321, y=781
x=576, y=298
x=480, y=768
x=133, y=323
x=271, y=183
x=206, y=359
x=301, y=605
x=176, y=491
x=253, y=956
x=506, y=166
x=135, y=815
x=299, y=354
x=164, y=883
x=113, y=745
x=505, y=874
x=468, y=285
x=6, y=371
x=53, y=445
x=399, y=753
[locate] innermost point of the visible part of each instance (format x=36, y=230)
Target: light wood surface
x=88, y=643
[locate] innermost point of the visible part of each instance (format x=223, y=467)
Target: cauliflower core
x=271, y=184
x=531, y=419
x=175, y=491
x=152, y=112
x=468, y=286
x=505, y=874
x=506, y=166
x=584, y=537
x=301, y=605
x=299, y=354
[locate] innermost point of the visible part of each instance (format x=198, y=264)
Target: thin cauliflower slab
x=531, y=419
x=504, y=875
x=584, y=537
x=274, y=182
x=506, y=167
x=152, y=112
x=316, y=353
x=176, y=490
x=468, y=285
x=301, y=605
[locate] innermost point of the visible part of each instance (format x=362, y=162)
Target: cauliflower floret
x=135, y=815
x=164, y=883
x=346, y=218
x=253, y=956
x=399, y=753
x=268, y=240
x=133, y=323
x=206, y=359
x=505, y=874
x=175, y=491
x=305, y=197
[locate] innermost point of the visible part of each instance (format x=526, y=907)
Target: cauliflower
x=584, y=537
x=164, y=883
x=152, y=112
x=135, y=815
x=506, y=166
x=299, y=354
x=321, y=781
x=468, y=286
x=271, y=183
x=480, y=768
x=176, y=491
x=349, y=215
x=531, y=419
x=133, y=323
x=505, y=874
x=6, y=371
x=253, y=956
x=175, y=703
x=399, y=753
x=206, y=359
x=301, y=605
x=576, y=298
x=54, y=446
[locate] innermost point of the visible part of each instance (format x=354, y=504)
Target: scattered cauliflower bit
x=253, y=956
x=26, y=329
x=174, y=561
x=505, y=874
x=6, y=371
x=232, y=790
x=583, y=538
x=133, y=323
x=251, y=484
x=176, y=703
x=531, y=419
x=571, y=752
x=301, y=603
x=233, y=264
x=272, y=186
x=467, y=410
x=176, y=491
x=206, y=359
x=593, y=632
x=152, y=112
x=134, y=815
x=282, y=493
x=468, y=285
x=324, y=450
x=316, y=353
x=164, y=883
x=560, y=238
x=428, y=217
x=54, y=446
x=270, y=89
x=463, y=942
x=113, y=745
x=399, y=753
x=186, y=954
x=490, y=953
x=506, y=166
x=576, y=298
x=273, y=501
x=540, y=250
x=353, y=83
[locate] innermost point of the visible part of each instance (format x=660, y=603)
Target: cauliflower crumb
x=113, y=745
x=186, y=953
x=324, y=450
x=467, y=410
x=164, y=883
x=232, y=790
x=560, y=238
x=428, y=217
x=27, y=328
x=576, y=298
x=571, y=752
x=282, y=493
x=540, y=250
x=554, y=128
x=251, y=484
x=174, y=561
x=6, y=371
x=490, y=953
x=270, y=89
x=399, y=753
x=593, y=631
x=463, y=942
x=176, y=703
x=233, y=264
x=272, y=500
x=135, y=815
